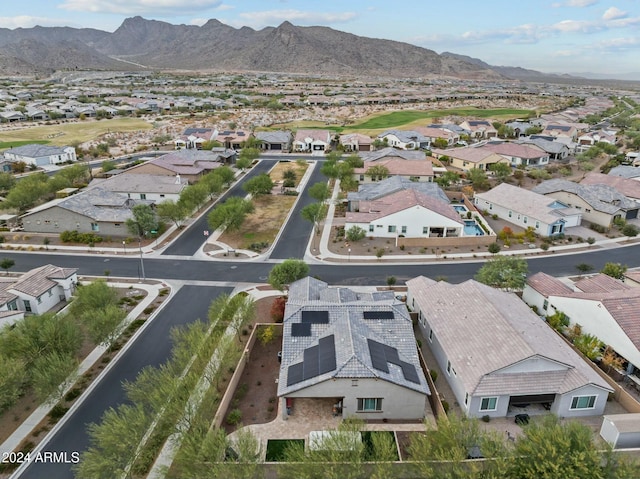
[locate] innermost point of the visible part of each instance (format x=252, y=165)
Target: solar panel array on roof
x=300, y=329
x=315, y=317
x=382, y=354
x=317, y=360
x=378, y=315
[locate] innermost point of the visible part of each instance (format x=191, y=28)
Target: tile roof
x=516, y=150
x=628, y=187
x=186, y=162
x=399, y=201
x=600, y=283
x=350, y=334
x=141, y=183
x=405, y=136
x=379, y=189
x=599, y=197
x=526, y=202
x=40, y=280
x=469, y=153
x=279, y=136
x=36, y=150
x=314, y=135
x=470, y=319
x=356, y=138
x=549, y=146
x=625, y=171
x=391, y=152
x=397, y=166
x=548, y=285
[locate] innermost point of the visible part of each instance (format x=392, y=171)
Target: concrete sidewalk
x=43, y=410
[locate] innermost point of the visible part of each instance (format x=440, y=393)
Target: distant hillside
x=215, y=46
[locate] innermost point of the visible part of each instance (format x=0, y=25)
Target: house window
x=116, y=225
x=545, y=305
x=95, y=227
x=161, y=196
x=143, y=196
x=50, y=293
x=404, y=229
x=27, y=305
x=369, y=404
x=39, y=299
x=583, y=402
x=361, y=177
x=510, y=213
x=12, y=305
x=587, y=210
x=354, y=382
x=449, y=368
x=431, y=335
x=425, y=230
x=489, y=404
x=525, y=220
x=537, y=224
x=370, y=228
x=466, y=398
x=491, y=206
x=391, y=229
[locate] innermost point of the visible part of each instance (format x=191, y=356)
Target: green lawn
x=276, y=448
x=70, y=133
x=5, y=145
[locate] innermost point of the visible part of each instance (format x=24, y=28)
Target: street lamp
x=124, y=246
x=349, y=260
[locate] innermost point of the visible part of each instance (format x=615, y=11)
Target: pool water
x=471, y=228
x=460, y=208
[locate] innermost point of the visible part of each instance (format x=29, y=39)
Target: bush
x=486, y=418
x=591, y=240
x=391, y=280
x=445, y=406
x=434, y=374
x=73, y=236
x=355, y=233
x=289, y=183
x=494, y=248
x=234, y=417
x=544, y=246
x=277, y=309
x=630, y=230
x=598, y=228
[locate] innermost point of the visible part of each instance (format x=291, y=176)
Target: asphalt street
x=193, y=236
x=151, y=348
x=295, y=235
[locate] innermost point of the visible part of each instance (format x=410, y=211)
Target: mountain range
x=150, y=44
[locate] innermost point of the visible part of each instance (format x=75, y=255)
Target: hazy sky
x=568, y=36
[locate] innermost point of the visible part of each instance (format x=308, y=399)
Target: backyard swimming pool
x=471, y=228
x=460, y=208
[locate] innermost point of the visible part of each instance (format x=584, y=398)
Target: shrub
x=72, y=236
x=494, y=248
x=379, y=253
x=267, y=334
x=544, y=246
x=391, y=280
x=289, y=183
x=591, y=240
x=486, y=418
x=355, y=233
x=277, y=309
x=630, y=230
x=434, y=374
x=598, y=228
x=445, y=406
x=234, y=417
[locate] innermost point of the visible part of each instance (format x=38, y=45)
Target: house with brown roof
x=38, y=290
x=233, y=139
x=195, y=138
x=558, y=130
x=520, y=155
x=356, y=142
x=409, y=213
x=480, y=129
x=413, y=170
x=603, y=306
x=191, y=164
x=525, y=209
x=311, y=141
x=629, y=188
x=498, y=355
x=470, y=157
x=433, y=133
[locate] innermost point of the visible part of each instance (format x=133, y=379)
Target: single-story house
x=41, y=155
x=356, y=142
x=355, y=349
x=380, y=189
x=519, y=154
x=405, y=140
x=621, y=430
x=557, y=130
x=525, y=209
x=311, y=141
x=233, y=140
x=191, y=164
x=409, y=213
x=35, y=292
x=479, y=128
x=626, y=171
x=91, y=211
x=469, y=157
x=632, y=157
x=555, y=149
x=11, y=116
x=590, y=138
x=498, y=355
x=155, y=188
x=629, y=188
x=419, y=171
x=433, y=133
x=194, y=138
x=600, y=204
x=275, y=140
x=601, y=305
x=392, y=153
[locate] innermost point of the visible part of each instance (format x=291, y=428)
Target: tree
x=584, y=268
x=589, y=345
x=319, y=191
x=314, y=212
x=143, y=222
x=171, y=211
x=287, y=272
x=194, y=196
x=630, y=230
x=27, y=192
x=231, y=214
x=501, y=170
x=494, y=248
x=105, y=325
x=354, y=161
x=504, y=272
x=213, y=184
x=11, y=380
x=243, y=163
x=51, y=374
x=615, y=270
x=7, y=181
x=550, y=449
x=439, y=143
x=377, y=172
x=355, y=233
x=6, y=264
x=259, y=185
x=93, y=296
x=478, y=178
x=226, y=174
x=447, y=178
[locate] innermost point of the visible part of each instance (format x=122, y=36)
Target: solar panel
x=300, y=329
x=315, y=317
x=378, y=315
x=311, y=364
x=327, y=354
x=409, y=372
x=391, y=354
x=378, y=360
x=294, y=374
